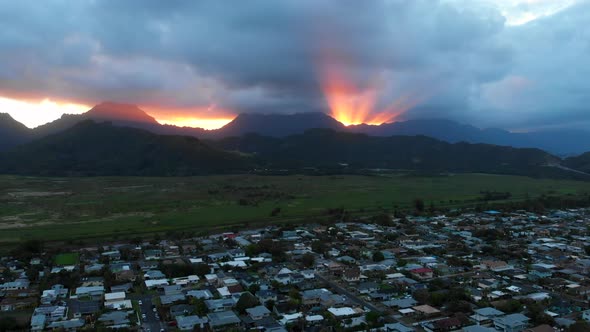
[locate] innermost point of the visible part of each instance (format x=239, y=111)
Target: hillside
x=564, y=142
x=12, y=132
x=580, y=163
x=277, y=125
x=330, y=149
x=91, y=148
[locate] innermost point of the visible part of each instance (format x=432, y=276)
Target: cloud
x=268, y=56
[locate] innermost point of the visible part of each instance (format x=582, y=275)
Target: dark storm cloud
x=267, y=55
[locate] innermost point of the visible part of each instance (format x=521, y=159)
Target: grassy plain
x=67, y=259
x=79, y=208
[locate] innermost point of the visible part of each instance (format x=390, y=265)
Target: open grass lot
x=72, y=208
x=66, y=259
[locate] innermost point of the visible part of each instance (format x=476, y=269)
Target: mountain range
x=120, y=139
x=92, y=148
x=560, y=142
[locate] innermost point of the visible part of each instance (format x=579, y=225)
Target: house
x=397, y=327
x=154, y=274
x=496, y=266
x=426, y=310
x=511, y=323
x=223, y=320
x=258, y=312
x=485, y=315
x=52, y=313
x=422, y=273
x=181, y=310
x=441, y=325
x=116, y=319
x=541, y=328
x=586, y=315
x=67, y=325
x=344, y=312
x=401, y=303
x=90, y=291
x=266, y=295
x=117, y=301
x=200, y=294
x=19, y=284
x=169, y=299
x=219, y=305
x=83, y=308
x=38, y=322
x=12, y=304
x=152, y=254
x=188, y=323
x=478, y=328
x=122, y=288
x=150, y=284
x=351, y=274
x=368, y=287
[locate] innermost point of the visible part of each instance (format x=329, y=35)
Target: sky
x=512, y=64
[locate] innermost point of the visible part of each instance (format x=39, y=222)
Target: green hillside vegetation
x=323, y=148
x=102, y=149
x=96, y=149
x=580, y=163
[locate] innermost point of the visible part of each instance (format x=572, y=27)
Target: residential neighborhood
x=466, y=271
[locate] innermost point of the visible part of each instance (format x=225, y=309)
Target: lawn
x=66, y=259
x=80, y=208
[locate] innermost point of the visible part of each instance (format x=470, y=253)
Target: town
x=464, y=271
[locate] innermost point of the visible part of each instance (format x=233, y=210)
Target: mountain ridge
x=561, y=142
x=103, y=149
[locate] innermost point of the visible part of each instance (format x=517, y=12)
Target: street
x=150, y=322
x=348, y=294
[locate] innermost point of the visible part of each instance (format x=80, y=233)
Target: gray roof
x=478, y=328
x=67, y=324
x=398, y=327
x=513, y=319
x=402, y=303
x=223, y=318
x=489, y=312
x=258, y=311
x=191, y=320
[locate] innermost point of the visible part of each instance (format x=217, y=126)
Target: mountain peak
x=119, y=112
x=278, y=124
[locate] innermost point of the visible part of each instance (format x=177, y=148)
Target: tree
x=382, y=219
x=372, y=318
x=254, y=288
x=419, y=205
x=318, y=247
x=579, y=326
x=378, y=256
x=201, y=307
x=246, y=301
x=308, y=259
x=8, y=324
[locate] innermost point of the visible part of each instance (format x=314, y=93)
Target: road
x=341, y=290
x=150, y=322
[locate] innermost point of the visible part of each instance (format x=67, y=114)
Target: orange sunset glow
x=205, y=123
x=353, y=105
x=208, y=117
x=33, y=113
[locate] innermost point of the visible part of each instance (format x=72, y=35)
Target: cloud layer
x=459, y=61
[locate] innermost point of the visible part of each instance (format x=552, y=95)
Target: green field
x=66, y=259
x=76, y=208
